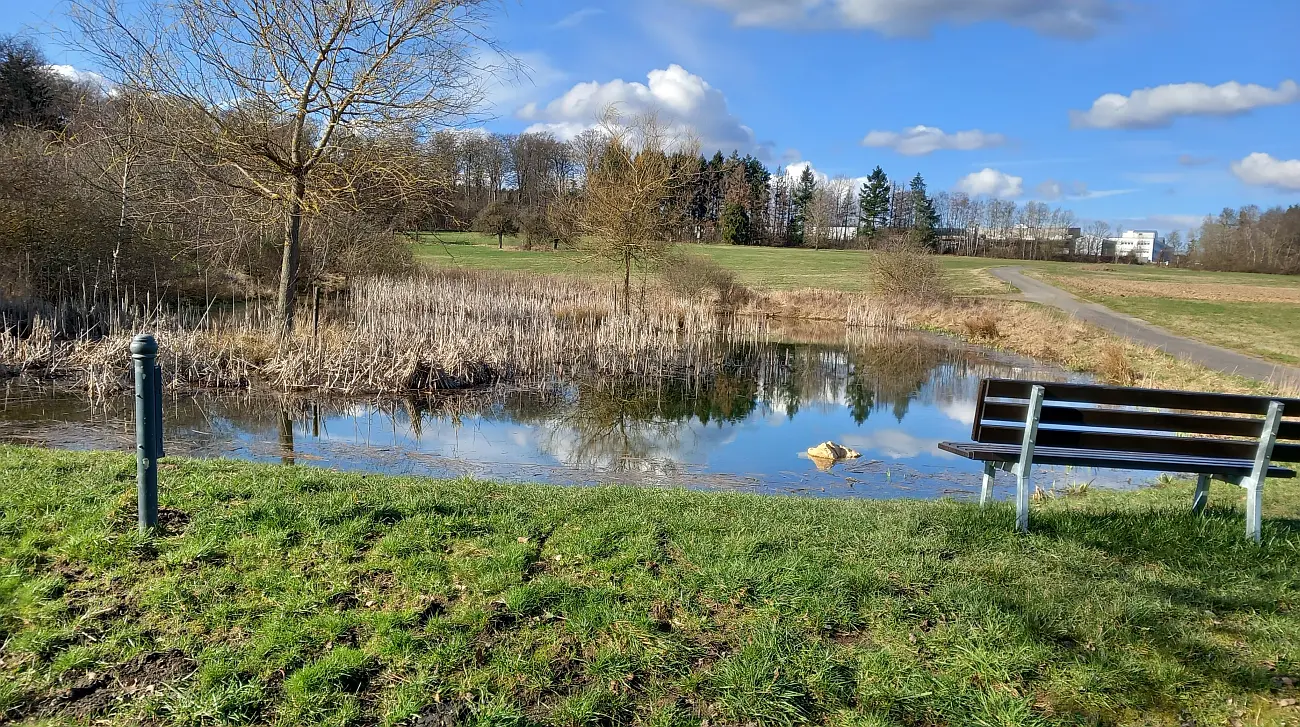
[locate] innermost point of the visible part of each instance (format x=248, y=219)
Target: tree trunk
x=627, y=284
x=289, y=258
x=500, y=241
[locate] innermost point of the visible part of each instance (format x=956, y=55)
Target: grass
x=1156, y=274
x=298, y=596
x=1270, y=331
x=1252, y=313
x=760, y=267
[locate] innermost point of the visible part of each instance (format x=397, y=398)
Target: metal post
x=148, y=428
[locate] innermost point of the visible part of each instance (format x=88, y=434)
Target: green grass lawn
x=759, y=267
x=1253, y=313
x=299, y=596
x=1270, y=331
x=1152, y=273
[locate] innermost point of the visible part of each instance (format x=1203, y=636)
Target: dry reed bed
x=425, y=333
x=452, y=330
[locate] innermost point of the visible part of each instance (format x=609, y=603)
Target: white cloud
x=1155, y=107
x=1052, y=190
x=919, y=140
x=78, y=76
x=1164, y=223
x=991, y=183
x=683, y=100
x=1263, y=170
x=894, y=444
x=1078, y=18
x=961, y=411
x=574, y=19
x=795, y=170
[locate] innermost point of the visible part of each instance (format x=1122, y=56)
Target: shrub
x=697, y=277
x=1114, y=365
x=982, y=325
x=902, y=270
x=539, y=232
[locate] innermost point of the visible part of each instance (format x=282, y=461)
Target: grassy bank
x=767, y=268
x=301, y=596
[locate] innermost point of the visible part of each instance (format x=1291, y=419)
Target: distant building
x=1142, y=245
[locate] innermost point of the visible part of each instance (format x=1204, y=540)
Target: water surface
x=892, y=397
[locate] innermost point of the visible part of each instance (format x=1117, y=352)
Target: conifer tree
x=925, y=221
x=873, y=202
x=801, y=201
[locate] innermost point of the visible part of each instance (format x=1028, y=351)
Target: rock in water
x=831, y=452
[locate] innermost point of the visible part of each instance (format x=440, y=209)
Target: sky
x=1142, y=113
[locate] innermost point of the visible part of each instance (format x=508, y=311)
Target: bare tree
x=1095, y=238
x=824, y=222
x=261, y=96
x=627, y=212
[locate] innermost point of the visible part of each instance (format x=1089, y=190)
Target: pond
x=892, y=397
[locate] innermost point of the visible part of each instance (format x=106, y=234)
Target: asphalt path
x=1219, y=359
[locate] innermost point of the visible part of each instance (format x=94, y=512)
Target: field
x=760, y=267
x=299, y=596
x=1248, y=312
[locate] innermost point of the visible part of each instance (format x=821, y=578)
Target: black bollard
x=148, y=427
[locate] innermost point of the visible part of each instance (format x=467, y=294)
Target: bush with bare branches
x=901, y=269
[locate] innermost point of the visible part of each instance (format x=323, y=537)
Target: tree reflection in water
x=616, y=425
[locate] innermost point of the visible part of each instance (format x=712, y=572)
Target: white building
x=1141, y=245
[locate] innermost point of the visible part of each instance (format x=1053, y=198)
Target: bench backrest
x=1123, y=419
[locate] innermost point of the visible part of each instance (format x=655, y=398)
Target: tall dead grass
x=456, y=329
x=444, y=330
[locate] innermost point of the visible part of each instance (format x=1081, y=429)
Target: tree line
x=299, y=145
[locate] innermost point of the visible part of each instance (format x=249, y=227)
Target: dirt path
x=1219, y=359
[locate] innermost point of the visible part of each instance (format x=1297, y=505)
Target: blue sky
x=806, y=81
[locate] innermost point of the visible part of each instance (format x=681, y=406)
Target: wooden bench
x=1022, y=423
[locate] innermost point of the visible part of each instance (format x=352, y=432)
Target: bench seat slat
x=1128, y=396
x=1147, y=461
x=1111, y=441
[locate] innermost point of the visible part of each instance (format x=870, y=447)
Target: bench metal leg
x=1202, y=495
x=986, y=492
x=1026, y=464
x=1254, y=508
x=1022, y=497
x=1254, y=484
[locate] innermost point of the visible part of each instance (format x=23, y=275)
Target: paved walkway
x=1219, y=359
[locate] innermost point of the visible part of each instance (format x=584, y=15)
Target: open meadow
x=300, y=596
x=1257, y=314
x=1254, y=313
x=760, y=267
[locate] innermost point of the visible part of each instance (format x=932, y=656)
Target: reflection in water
x=286, y=437
x=891, y=397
